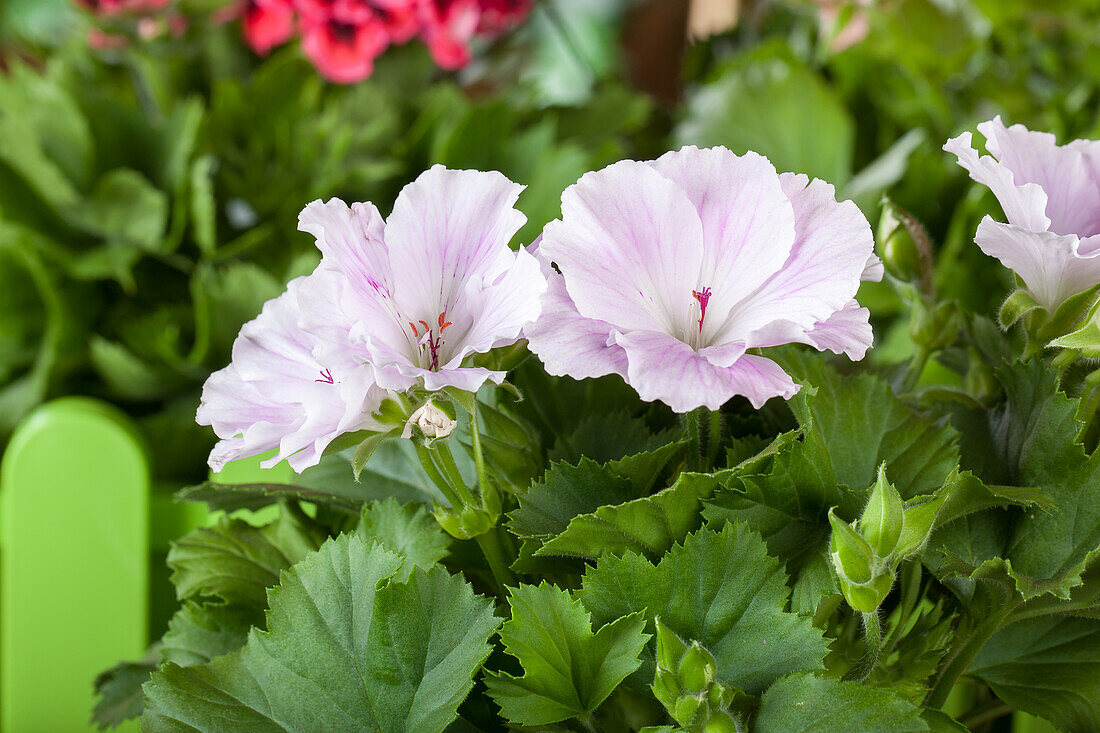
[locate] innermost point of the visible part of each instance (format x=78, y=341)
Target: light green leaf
x=407, y=529
x=568, y=669
x=203, y=207
x=769, y=102
x=344, y=650
x=649, y=526
x=805, y=703
x=237, y=562
x=127, y=210
x=119, y=691
x=721, y=589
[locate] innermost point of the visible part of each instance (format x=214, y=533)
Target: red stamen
x=326, y=377
x=442, y=318
x=413, y=327
x=703, y=296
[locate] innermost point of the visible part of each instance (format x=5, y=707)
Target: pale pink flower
x=1050, y=194
x=672, y=269
x=277, y=394
x=428, y=288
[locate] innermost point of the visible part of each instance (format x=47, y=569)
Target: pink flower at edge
x=430, y=286
x=672, y=269
x=1050, y=194
x=277, y=394
x=267, y=23
x=448, y=28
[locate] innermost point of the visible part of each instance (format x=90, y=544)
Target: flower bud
x=917, y=526
x=697, y=668
x=851, y=555
x=685, y=709
x=720, y=722
x=432, y=421
x=900, y=254
x=882, y=518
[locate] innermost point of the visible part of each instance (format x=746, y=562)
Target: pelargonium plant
x=341, y=38
x=603, y=481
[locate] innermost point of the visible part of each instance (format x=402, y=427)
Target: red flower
x=449, y=26
x=499, y=15
x=110, y=7
x=267, y=23
x=344, y=52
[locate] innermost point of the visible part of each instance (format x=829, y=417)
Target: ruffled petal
x=663, y=368
x=630, y=245
x=748, y=221
x=448, y=228
x=1062, y=171
x=499, y=309
x=848, y=331
x=1051, y=265
x=831, y=252
x=1024, y=203
x=567, y=343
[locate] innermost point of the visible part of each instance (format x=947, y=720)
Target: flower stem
x=873, y=641
x=475, y=439
x=714, y=441
x=962, y=653
x=916, y=368
x=450, y=470
x=444, y=486
x=492, y=546
x=910, y=594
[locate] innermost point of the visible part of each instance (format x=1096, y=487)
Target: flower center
x=703, y=296
x=431, y=341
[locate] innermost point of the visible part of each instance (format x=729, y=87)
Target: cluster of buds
x=866, y=554
x=685, y=684
x=342, y=38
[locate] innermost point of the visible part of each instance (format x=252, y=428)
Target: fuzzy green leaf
x=1048, y=667
x=565, y=492
x=650, y=525
x=237, y=562
x=568, y=669
x=721, y=589
x=804, y=703
x=199, y=632
x=344, y=650
x=407, y=529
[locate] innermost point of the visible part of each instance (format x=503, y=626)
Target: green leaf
x=119, y=691
x=407, y=529
x=199, y=632
x=568, y=669
x=861, y=424
x=231, y=497
x=344, y=650
x=1048, y=667
x=127, y=210
x=769, y=102
x=237, y=562
x=606, y=436
x=565, y=492
x=649, y=526
x=721, y=589
x=805, y=703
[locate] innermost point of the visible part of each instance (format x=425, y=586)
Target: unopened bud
x=720, y=722
x=851, y=555
x=899, y=250
x=432, y=421
x=697, y=668
x=882, y=518
x=917, y=525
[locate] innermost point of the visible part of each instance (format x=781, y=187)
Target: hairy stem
x=446, y=462
x=910, y=595
x=962, y=653
x=714, y=441
x=436, y=477
x=873, y=640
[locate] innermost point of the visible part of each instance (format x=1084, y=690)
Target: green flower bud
x=666, y=688
x=866, y=597
x=851, y=555
x=900, y=253
x=697, y=668
x=881, y=522
x=670, y=647
x=917, y=526
x=685, y=709
x=935, y=329
x=720, y=722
